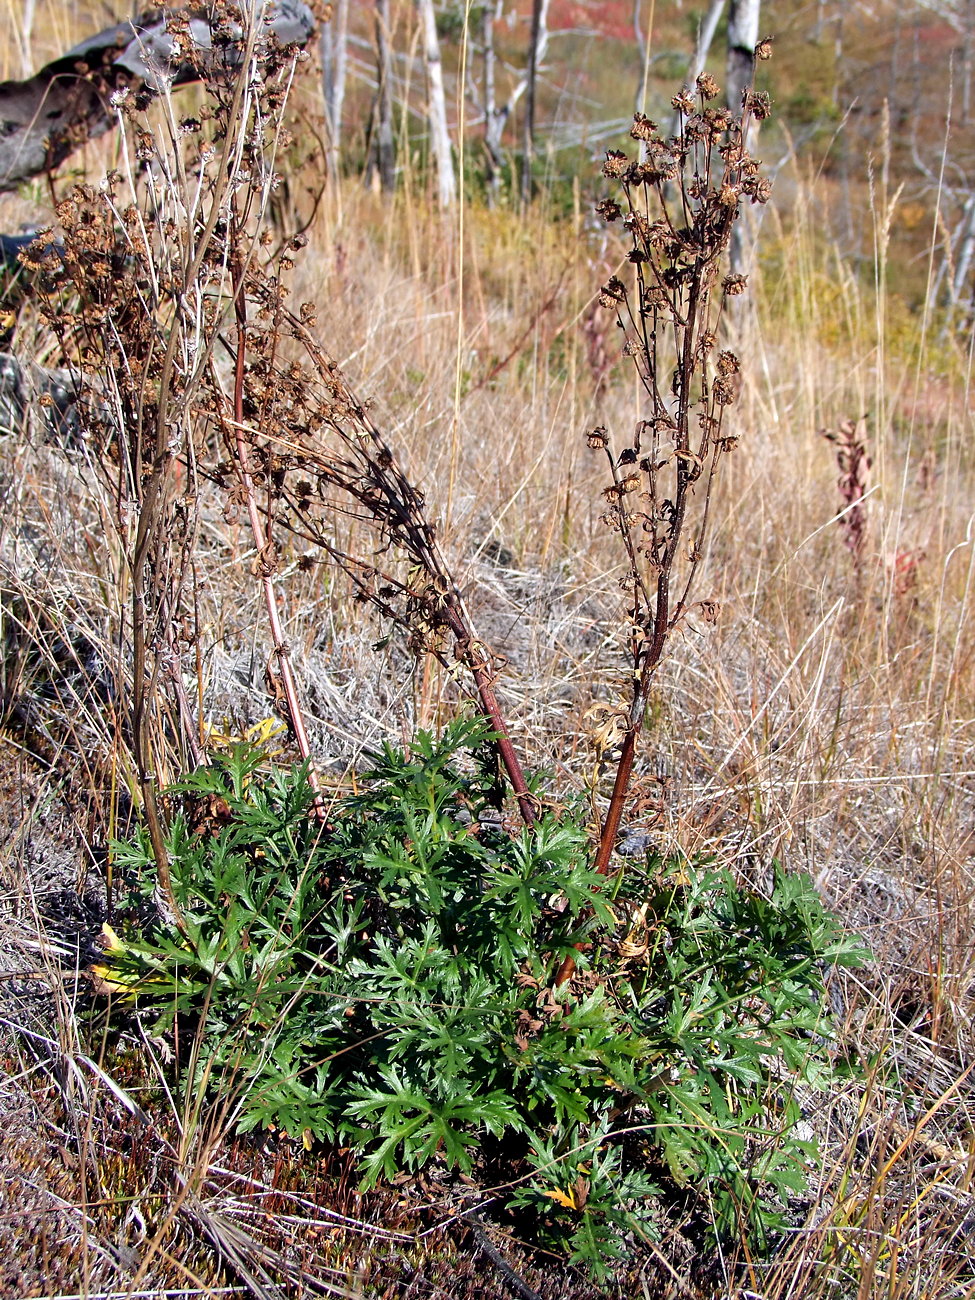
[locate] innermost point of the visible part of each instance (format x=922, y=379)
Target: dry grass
x=827, y=719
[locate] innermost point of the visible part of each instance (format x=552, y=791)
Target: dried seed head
x=707, y=87
x=642, y=128
x=638, y=226
x=733, y=285
x=763, y=50
x=758, y=103
x=616, y=163
x=706, y=343
x=758, y=188
x=653, y=297
x=694, y=128
x=598, y=438
x=631, y=483
x=612, y=293
x=710, y=610
x=67, y=213
x=728, y=364
x=609, y=210
x=683, y=103
x=724, y=392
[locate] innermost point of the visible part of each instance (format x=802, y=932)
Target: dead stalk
x=263, y=542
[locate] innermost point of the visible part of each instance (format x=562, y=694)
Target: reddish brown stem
x=624, y=769
x=527, y=805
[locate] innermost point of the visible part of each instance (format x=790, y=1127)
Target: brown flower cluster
x=676, y=204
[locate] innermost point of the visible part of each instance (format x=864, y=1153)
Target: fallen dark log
x=47, y=117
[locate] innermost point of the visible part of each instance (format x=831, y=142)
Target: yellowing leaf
x=566, y=1199
x=260, y=734
x=103, y=977
x=264, y=731
x=110, y=940
x=105, y=980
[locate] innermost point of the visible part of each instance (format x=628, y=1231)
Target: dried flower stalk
x=678, y=207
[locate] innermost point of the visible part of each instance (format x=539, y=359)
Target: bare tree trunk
x=705, y=39
x=437, y=108
x=536, y=47
x=384, y=158
x=743, y=20
x=966, y=247
x=26, y=32
x=334, y=63
x=966, y=253
x=497, y=116
x=643, y=46
x=494, y=117
x=967, y=60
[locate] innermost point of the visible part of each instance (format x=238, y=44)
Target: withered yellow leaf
x=562, y=1198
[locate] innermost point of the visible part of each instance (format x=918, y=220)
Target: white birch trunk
x=437, y=108
x=966, y=253
x=705, y=39
x=385, y=154
x=26, y=32
x=536, y=52
x=743, y=21
x=497, y=116
x=334, y=63
x=494, y=117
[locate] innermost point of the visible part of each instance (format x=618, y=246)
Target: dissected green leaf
x=386, y=983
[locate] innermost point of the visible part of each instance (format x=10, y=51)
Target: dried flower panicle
x=854, y=461
x=677, y=205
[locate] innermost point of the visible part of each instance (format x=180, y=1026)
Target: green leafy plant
x=385, y=979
